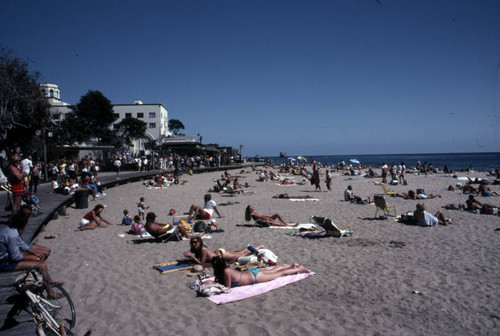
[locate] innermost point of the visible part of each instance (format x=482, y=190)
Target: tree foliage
x=129, y=129
x=23, y=109
x=175, y=125
x=95, y=112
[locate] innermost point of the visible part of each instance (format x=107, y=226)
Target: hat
x=171, y=212
x=195, y=270
x=150, y=216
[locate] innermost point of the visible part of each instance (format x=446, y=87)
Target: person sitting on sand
x=157, y=229
x=469, y=188
x=137, y=227
x=197, y=212
x=484, y=190
x=93, y=219
x=265, y=220
x=424, y=218
x=230, y=277
x=16, y=255
x=201, y=254
x=350, y=197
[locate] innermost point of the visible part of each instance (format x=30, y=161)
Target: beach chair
x=381, y=204
x=331, y=230
x=386, y=191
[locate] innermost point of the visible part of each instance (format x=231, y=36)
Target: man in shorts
x=15, y=176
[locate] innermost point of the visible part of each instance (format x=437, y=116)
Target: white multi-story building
x=154, y=115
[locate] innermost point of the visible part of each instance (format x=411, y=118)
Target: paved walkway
x=52, y=203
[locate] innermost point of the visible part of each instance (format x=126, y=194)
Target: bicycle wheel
x=64, y=310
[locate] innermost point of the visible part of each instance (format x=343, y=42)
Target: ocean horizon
x=454, y=161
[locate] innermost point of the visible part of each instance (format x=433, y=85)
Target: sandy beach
x=386, y=279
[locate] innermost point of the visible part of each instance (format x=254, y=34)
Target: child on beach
x=137, y=227
x=141, y=208
x=127, y=219
x=328, y=180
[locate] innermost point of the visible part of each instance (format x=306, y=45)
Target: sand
x=386, y=279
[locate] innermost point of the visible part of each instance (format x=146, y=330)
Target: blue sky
x=302, y=77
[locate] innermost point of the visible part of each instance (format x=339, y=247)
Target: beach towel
x=300, y=226
x=304, y=234
x=172, y=267
x=243, y=292
x=304, y=199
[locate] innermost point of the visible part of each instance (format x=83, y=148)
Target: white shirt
x=26, y=165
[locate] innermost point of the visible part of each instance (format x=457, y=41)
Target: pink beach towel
x=243, y=292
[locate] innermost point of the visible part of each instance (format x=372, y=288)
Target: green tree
x=129, y=129
x=95, y=112
x=175, y=125
x=23, y=109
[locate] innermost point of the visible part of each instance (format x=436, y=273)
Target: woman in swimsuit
x=93, y=219
x=230, y=277
x=264, y=219
x=202, y=255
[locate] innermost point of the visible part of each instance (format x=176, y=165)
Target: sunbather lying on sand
x=202, y=255
x=265, y=220
x=230, y=277
x=413, y=195
x=157, y=229
x=424, y=218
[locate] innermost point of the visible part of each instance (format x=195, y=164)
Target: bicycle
x=54, y=316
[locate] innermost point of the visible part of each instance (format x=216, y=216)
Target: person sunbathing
x=93, y=219
x=205, y=212
x=158, y=229
x=413, y=195
x=469, y=188
x=273, y=220
x=424, y=218
x=484, y=190
x=201, y=254
x=230, y=277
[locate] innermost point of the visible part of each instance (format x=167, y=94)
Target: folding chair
x=386, y=191
x=331, y=230
x=380, y=204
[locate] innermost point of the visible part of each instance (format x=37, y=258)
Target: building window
x=140, y=115
x=51, y=93
x=128, y=115
x=152, y=114
x=152, y=125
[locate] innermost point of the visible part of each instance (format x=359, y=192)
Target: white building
x=154, y=115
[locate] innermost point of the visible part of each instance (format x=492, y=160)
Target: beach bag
x=208, y=289
x=420, y=191
x=200, y=227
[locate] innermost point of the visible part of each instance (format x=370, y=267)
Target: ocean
x=454, y=161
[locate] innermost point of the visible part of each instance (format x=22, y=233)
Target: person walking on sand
x=141, y=208
x=328, y=180
x=316, y=179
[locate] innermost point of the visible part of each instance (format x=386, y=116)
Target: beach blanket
x=300, y=226
x=298, y=233
x=172, y=267
x=304, y=199
x=243, y=292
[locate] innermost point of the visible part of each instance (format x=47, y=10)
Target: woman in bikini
x=202, y=255
x=265, y=220
x=230, y=277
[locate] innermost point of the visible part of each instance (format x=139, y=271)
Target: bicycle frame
x=45, y=316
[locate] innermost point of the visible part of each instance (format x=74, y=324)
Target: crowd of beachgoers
x=384, y=272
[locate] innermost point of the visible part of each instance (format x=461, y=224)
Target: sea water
x=454, y=161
